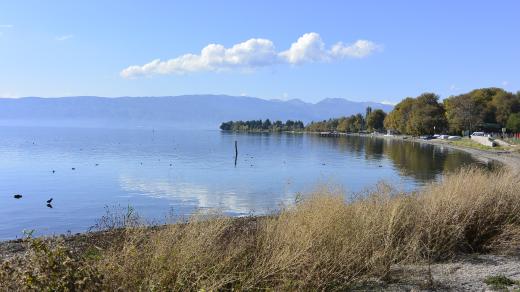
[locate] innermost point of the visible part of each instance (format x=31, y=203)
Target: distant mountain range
x=187, y=111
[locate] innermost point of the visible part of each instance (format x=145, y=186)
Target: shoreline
x=507, y=158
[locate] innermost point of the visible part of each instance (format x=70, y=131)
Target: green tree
x=266, y=125
x=463, y=113
x=368, y=112
x=513, y=123
x=289, y=124
x=277, y=126
x=375, y=120
x=417, y=116
x=226, y=126
x=504, y=104
x=480, y=109
x=299, y=125
x=426, y=115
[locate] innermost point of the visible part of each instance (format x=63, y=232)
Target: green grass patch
x=499, y=282
x=92, y=253
x=465, y=142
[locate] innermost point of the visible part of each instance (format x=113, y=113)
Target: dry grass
x=322, y=243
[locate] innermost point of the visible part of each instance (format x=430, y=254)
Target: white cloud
x=359, y=49
x=308, y=48
x=64, y=37
x=214, y=57
x=252, y=54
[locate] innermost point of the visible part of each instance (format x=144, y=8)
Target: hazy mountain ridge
x=198, y=111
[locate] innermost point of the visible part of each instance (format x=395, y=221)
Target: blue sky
x=359, y=50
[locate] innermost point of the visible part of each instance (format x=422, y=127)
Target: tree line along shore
x=486, y=109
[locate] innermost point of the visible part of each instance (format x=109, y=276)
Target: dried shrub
x=49, y=265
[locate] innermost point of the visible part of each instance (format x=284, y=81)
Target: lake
x=165, y=171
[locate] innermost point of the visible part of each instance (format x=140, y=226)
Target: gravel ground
x=508, y=158
x=466, y=273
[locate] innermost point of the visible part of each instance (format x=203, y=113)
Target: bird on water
x=49, y=201
x=17, y=196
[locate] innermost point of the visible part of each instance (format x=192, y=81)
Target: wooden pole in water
x=236, y=152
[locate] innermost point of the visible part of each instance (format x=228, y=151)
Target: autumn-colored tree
x=397, y=119
x=426, y=116
x=358, y=123
x=463, y=113
x=417, y=116
x=481, y=108
x=343, y=125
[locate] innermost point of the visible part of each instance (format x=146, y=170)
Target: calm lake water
x=174, y=171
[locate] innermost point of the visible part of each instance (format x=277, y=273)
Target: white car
x=453, y=138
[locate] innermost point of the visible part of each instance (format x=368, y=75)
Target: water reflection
x=422, y=162
x=199, y=196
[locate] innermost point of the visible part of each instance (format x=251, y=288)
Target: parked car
x=426, y=137
x=454, y=138
x=482, y=134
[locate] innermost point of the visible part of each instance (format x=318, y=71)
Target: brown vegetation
x=321, y=243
